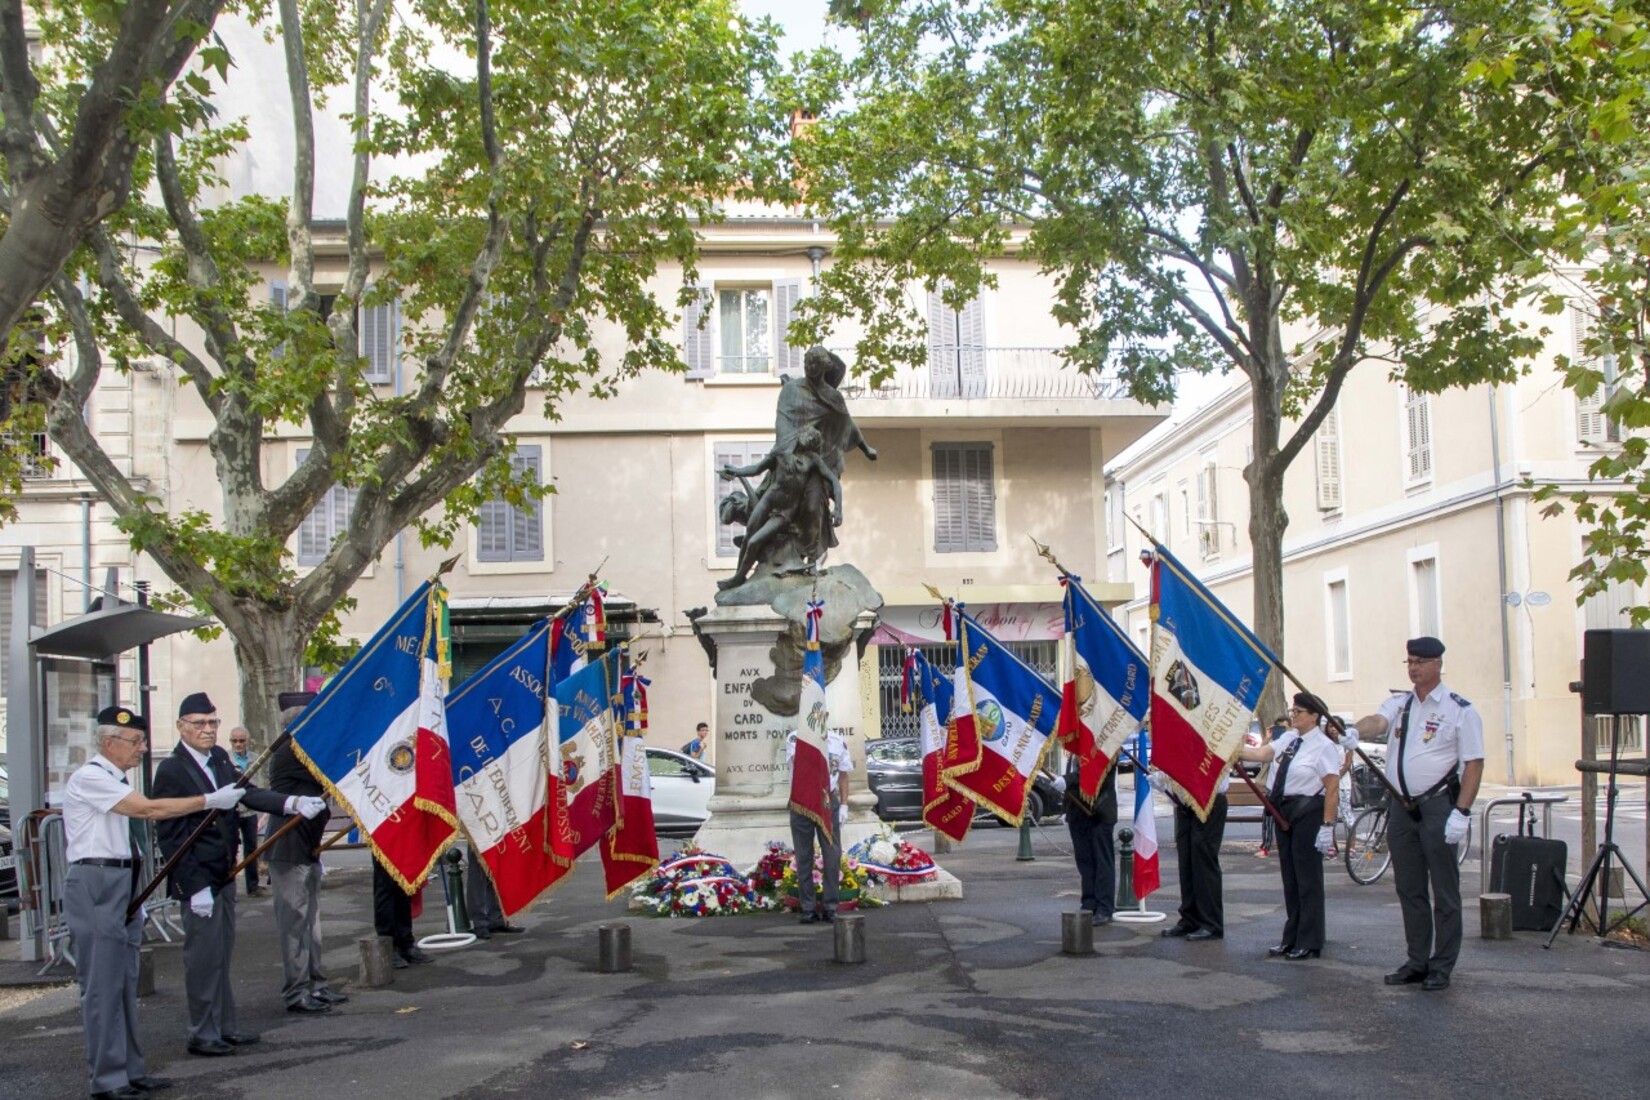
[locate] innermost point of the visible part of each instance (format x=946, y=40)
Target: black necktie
x=1283, y=769
x=1403, y=743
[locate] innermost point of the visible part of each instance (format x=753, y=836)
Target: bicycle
x=1367, y=854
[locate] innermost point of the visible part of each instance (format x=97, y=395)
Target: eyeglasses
x=135, y=742
x=203, y=723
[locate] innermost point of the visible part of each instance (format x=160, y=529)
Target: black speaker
x=1616, y=672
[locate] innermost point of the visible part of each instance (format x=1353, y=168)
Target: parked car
x=893, y=767
x=682, y=787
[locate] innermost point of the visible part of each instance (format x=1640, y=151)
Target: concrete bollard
x=146, y=972
x=613, y=942
x=1495, y=916
x=942, y=844
x=1077, y=933
x=376, y=968
x=849, y=930
x=5, y=922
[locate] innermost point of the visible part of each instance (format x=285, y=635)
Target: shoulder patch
x=1460, y=702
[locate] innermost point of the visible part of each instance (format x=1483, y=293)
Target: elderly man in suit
x=201, y=879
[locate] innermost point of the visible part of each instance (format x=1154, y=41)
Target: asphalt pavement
x=957, y=999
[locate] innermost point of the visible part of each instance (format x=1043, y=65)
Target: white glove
x=1326, y=838
x=225, y=798
x=1455, y=826
x=202, y=901
x=1059, y=783
x=1349, y=739
x=306, y=804
x=842, y=815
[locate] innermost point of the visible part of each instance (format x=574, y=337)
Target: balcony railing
x=970, y=374
x=33, y=453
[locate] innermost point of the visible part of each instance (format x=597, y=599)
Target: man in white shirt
x=104, y=866
x=201, y=878
x=1435, y=757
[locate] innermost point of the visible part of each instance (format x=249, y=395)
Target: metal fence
x=993, y=372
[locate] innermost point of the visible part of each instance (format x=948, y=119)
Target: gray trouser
x=298, y=928
x=803, y=832
x=480, y=898
x=105, y=947
x=1420, y=858
x=208, y=947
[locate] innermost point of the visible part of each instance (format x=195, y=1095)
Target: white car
x=682, y=787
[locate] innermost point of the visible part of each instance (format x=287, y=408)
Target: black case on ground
x=1531, y=869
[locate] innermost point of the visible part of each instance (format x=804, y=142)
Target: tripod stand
x=1600, y=867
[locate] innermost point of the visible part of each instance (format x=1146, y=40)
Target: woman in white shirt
x=1305, y=787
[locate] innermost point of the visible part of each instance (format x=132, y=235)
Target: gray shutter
x=1418, y=415
x=981, y=517
x=698, y=343
x=971, y=349
x=732, y=454
x=950, y=529
x=278, y=294
x=527, y=524
x=313, y=538
x=379, y=340
x=942, y=347
x=786, y=294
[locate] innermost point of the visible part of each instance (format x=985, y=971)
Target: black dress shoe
x=508, y=929
x=309, y=1006
x=210, y=1048
x=811, y=918
x=1279, y=951
x=124, y=1092
x=1303, y=953
x=1101, y=918
x=240, y=1038
x=150, y=1083
x=482, y=933
x=1404, y=976
x=1176, y=932
x=1204, y=934
x=827, y=917
x=1434, y=981
x=399, y=963
x=417, y=955
x=328, y=997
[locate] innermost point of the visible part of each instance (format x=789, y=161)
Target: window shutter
x=1329, y=461
x=965, y=505
x=943, y=378
x=493, y=531
x=1592, y=426
x=732, y=454
x=527, y=524
x=971, y=349
x=1419, y=420
x=981, y=518
x=786, y=294
x=313, y=540
x=278, y=294
x=379, y=340
x=949, y=534
x=698, y=344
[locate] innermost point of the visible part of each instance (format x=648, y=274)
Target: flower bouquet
x=888, y=858
x=778, y=867
x=695, y=883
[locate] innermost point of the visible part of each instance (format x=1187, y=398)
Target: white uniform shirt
x=1444, y=733
x=837, y=759
x=92, y=828
x=1317, y=758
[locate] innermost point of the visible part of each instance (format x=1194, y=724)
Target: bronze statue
x=791, y=517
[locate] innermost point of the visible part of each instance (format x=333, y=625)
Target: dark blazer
x=287, y=775
x=206, y=864
x=1104, y=809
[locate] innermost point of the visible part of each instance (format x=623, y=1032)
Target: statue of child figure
x=784, y=501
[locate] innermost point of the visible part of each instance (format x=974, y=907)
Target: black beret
x=1425, y=647
x=122, y=716
x=196, y=703
x=289, y=699
x=1305, y=700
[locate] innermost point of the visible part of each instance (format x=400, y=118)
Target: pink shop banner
x=1008, y=622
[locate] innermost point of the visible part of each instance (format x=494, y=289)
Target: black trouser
x=1420, y=858
x=1091, y=843
x=1197, y=845
x=391, y=909
x=247, y=826
x=1302, y=867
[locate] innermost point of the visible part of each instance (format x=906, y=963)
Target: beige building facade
x=1409, y=514
x=992, y=441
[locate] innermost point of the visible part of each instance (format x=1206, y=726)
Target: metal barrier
x=1524, y=800
x=49, y=869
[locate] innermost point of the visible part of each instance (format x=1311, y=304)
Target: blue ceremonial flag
x=1208, y=674
x=1106, y=688
x=1007, y=712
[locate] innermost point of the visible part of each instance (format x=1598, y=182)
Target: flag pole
x=252, y=856
x=1334, y=722
x=334, y=839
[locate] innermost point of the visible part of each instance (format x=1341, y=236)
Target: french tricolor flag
x=1105, y=687
x=810, y=769
x=943, y=809
x=632, y=849
x=376, y=738
x=590, y=750
x=1006, y=713
x=1208, y=673
x=1146, y=876
x=506, y=772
